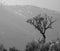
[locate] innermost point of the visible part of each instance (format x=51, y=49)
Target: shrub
x=40, y=46
x=13, y=49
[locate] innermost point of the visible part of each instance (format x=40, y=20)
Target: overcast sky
x=50, y=4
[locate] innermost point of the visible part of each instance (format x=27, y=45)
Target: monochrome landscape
x=15, y=31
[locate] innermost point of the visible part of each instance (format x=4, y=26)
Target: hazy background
x=14, y=31
x=50, y=4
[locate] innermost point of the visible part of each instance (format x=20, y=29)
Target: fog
x=14, y=31
x=50, y=4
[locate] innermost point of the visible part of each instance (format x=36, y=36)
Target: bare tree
x=41, y=23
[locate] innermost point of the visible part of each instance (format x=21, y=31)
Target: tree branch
x=50, y=24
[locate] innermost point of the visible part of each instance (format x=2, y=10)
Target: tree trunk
x=44, y=36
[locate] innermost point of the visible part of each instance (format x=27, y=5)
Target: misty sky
x=50, y=4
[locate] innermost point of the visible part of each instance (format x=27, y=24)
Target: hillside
x=14, y=31
x=13, y=28
x=30, y=11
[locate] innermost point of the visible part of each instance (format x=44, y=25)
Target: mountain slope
x=31, y=11
x=14, y=31
x=13, y=28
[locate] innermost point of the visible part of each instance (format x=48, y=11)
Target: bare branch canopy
x=42, y=23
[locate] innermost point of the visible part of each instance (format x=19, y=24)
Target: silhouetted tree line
x=39, y=45
x=2, y=48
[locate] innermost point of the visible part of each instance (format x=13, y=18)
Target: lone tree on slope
x=41, y=23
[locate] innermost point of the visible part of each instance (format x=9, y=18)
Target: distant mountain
x=30, y=11
x=15, y=31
